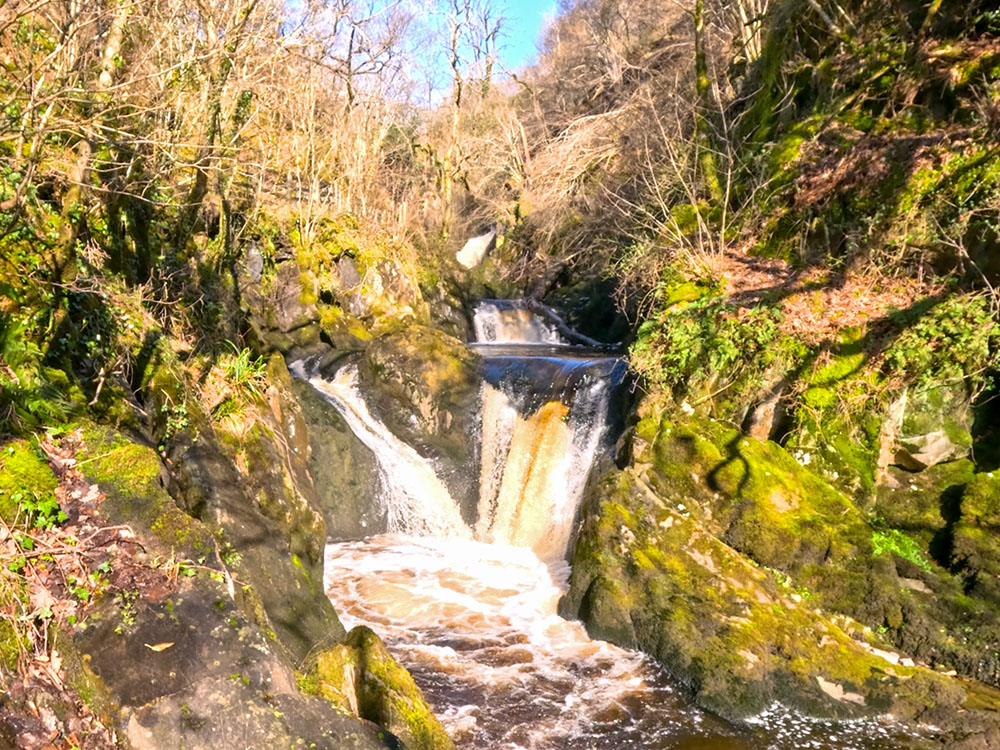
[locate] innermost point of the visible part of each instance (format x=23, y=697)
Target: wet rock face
x=257, y=489
x=424, y=385
x=343, y=470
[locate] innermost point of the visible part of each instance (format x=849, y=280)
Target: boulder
x=936, y=427
x=280, y=311
x=200, y=675
x=647, y=574
x=424, y=385
x=363, y=679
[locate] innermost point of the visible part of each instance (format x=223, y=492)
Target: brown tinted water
x=476, y=625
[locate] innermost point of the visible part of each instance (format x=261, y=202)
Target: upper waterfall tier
x=503, y=321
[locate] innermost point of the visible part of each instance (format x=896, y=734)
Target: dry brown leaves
x=816, y=303
x=62, y=568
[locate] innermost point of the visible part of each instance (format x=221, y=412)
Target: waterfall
x=544, y=415
x=471, y=612
x=414, y=499
x=535, y=467
x=510, y=322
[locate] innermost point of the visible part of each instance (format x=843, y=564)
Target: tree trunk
x=703, y=89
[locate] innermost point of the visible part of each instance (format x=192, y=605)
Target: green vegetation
x=895, y=542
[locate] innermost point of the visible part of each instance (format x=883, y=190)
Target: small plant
x=955, y=340
x=40, y=511
x=244, y=372
x=691, y=341
x=895, y=542
x=176, y=421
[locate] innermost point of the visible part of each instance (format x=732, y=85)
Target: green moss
x=360, y=677
x=653, y=577
x=12, y=643
x=981, y=501
x=895, y=542
x=130, y=474
x=90, y=688
x=26, y=481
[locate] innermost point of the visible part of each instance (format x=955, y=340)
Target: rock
x=923, y=451
x=648, y=575
x=740, y=501
x=349, y=276
x=447, y=310
x=361, y=677
x=221, y=714
x=253, y=263
x=253, y=486
x=936, y=427
x=201, y=675
x=975, y=549
x=343, y=469
x=424, y=385
x=280, y=311
x=268, y=512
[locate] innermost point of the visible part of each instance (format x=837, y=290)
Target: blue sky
x=525, y=19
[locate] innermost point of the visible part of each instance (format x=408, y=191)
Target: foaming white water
x=508, y=322
x=477, y=625
x=415, y=500
x=535, y=468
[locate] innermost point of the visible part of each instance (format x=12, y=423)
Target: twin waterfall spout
x=544, y=414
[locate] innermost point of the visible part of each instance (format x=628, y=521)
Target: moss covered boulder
x=424, y=384
x=281, y=313
x=975, y=538
x=757, y=498
x=362, y=678
x=648, y=574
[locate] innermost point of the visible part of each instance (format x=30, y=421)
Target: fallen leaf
x=159, y=646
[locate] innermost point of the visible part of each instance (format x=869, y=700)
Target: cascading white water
x=534, y=468
x=476, y=625
x=507, y=321
x=414, y=499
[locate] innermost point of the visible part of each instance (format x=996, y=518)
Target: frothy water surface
x=476, y=625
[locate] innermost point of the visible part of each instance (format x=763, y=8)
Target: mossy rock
x=647, y=574
x=134, y=481
x=362, y=678
x=26, y=481
x=975, y=549
x=882, y=569
x=343, y=331
x=923, y=503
